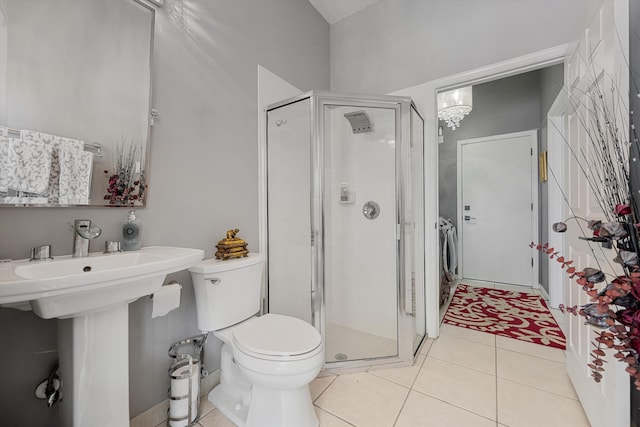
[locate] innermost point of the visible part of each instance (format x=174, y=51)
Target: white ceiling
x=335, y=10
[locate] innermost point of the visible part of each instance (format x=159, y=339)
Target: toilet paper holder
x=185, y=375
x=173, y=282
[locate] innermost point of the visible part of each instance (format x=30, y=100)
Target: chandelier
x=453, y=105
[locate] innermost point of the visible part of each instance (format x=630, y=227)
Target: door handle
x=468, y=218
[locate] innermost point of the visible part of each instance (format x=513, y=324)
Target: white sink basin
x=66, y=287
x=90, y=296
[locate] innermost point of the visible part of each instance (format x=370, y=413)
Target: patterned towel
x=55, y=142
x=29, y=166
x=75, y=175
x=4, y=162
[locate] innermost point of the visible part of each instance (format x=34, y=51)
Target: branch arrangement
x=603, y=159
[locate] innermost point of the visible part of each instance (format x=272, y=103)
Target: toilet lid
x=276, y=335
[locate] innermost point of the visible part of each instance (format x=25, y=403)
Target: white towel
x=4, y=162
x=56, y=142
x=75, y=175
x=29, y=166
x=25, y=200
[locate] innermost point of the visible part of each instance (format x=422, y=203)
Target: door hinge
x=532, y=151
x=531, y=262
x=531, y=207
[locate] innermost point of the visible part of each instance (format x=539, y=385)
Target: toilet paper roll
x=180, y=384
x=166, y=299
x=179, y=409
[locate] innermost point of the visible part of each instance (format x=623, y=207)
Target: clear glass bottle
x=132, y=232
x=344, y=192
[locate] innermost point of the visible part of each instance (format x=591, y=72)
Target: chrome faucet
x=84, y=232
x=41, y=253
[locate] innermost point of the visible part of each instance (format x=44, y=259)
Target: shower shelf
x=351, y=199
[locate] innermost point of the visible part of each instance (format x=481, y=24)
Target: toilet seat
x=274, y=336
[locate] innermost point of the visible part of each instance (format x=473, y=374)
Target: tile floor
x=464, y=378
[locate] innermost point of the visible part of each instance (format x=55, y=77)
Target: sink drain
x=341, y=356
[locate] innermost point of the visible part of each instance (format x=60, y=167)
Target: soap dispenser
x=131, y=232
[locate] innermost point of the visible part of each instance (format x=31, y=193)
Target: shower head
x=359, y=121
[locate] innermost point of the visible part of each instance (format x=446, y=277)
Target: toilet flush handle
x=215, y=280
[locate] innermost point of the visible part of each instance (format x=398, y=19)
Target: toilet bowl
x=269, y=386
x=267, y=362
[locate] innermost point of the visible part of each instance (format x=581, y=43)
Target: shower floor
x=341, y=341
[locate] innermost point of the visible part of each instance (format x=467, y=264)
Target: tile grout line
x=338, y=417
x=452, y=404
x=404, y=402
x=386, y=380
x=335, y=377
x=464, y=366
x=540, y=389
x=325, y=389
x=533, y=355
x=424, y=360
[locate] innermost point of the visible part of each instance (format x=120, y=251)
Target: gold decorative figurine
x=231, y=247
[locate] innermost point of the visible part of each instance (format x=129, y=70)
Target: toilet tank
x=227, y=292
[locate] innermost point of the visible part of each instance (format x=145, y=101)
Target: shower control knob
x=371, y=210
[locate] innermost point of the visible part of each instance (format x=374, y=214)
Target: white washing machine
x=449, y=248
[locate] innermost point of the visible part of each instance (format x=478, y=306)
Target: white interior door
x=497, y=208
x=556, y=210
x=598, y=59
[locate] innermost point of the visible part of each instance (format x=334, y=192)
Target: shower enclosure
x=345, y=223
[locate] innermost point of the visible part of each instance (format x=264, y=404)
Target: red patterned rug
x=509, y=314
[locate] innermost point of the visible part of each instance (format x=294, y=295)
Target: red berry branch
x=614, y=307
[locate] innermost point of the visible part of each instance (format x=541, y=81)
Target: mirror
x=75, y=78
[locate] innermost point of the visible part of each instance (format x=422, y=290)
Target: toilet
x=267, y=362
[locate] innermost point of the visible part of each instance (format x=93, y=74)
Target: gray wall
x=203, y=180
x=394, y=44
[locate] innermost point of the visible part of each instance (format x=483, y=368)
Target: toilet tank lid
x=213, y=265
x=277, y=335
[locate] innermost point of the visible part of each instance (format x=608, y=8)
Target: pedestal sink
x=90, y=296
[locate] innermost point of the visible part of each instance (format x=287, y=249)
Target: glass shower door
x=289, y=168
x=360, y=232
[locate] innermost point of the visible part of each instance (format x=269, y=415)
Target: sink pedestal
x=94, y=368
x=90, y=295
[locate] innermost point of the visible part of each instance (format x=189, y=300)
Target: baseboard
x=158, y=413
x=544, y=293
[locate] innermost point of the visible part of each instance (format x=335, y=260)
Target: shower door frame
x=403, y=107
